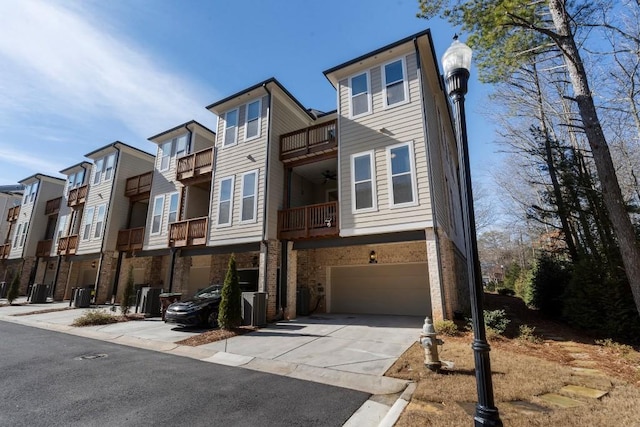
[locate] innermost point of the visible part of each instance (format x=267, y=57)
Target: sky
x=78, y=75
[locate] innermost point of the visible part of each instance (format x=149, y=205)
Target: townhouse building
x=10, y=200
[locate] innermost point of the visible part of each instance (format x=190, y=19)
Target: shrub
x=615, y=347
x=14, y=289
x=506, y=291
x=446, y=327
x=511, y=275
x=230, y=314
x=548, y=285
x=496, y=320
x=527, y=333
x=127, y=293
x=95, y=317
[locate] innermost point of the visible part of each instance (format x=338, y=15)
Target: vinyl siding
x=402, y=124
x=235, y=160
x=6, y=202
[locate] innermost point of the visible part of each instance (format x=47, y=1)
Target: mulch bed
x=215, y=335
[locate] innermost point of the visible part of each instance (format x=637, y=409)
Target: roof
x=117, y=145
x=77, y=165
x=41, y=176
x=183, y=125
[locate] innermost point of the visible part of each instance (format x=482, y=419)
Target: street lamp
x=456, y=63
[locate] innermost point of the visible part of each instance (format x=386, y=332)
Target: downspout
x=434, y=214
x=172, y=268
x=55, y=277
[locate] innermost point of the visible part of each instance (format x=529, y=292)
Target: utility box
x=254, y=308
x=39, y=294
x=150, y=301
x=302, y=301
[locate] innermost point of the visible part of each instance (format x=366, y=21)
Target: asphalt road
x=44, y=381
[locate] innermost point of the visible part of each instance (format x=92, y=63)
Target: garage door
x=381, y=289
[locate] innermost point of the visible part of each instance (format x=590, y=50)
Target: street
x=53, y=379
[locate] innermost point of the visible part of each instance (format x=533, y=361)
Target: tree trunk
x=612, y=195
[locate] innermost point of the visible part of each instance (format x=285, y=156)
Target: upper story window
x=182, y=145
x=103, y=170
x=62, y=224
x=100, y=221
x=176, y=147
x=165, y=155
x=16, y=237
x=76, y=179
x=225, y=200
x=252, y=120
x=173, y=207
x=24, y=233
x=363, y=182
x=394, y=76
x=360, y=94
x=230, y=128
x=402, y=180
x=88, y=222
x=30, y=192
x=249, y=199
x=156, y=216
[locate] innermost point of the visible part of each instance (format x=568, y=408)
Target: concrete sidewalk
x=351, y=351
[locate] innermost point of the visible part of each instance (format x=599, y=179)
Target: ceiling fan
x=328, y=176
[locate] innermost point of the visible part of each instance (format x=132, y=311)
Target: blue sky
x=77, y=75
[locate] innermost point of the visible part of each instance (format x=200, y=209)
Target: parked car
x=201, y=309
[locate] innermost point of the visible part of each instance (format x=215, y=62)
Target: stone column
x=105, y=277
x=292, y=282
x=268, y=275
x=181, y=273
x=438, y=308
x=28, y=264
x=41, y=270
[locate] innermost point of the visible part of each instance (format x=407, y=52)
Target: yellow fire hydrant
x=430, y=342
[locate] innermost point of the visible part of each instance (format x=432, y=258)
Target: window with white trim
x=401, y=175
x=97, y=171
x=88, y=222
x=182, y=145
x=360, y=94
x=165, y=155
x=62, y=224
x=173, y=207
x=395, y=82
x=252, y=120
x=16, y=237
x=249, y=203
x=24, y=233
x=100, y=221
x=230, y=128
x=34, y=191
x=109, y=164
x=76, y=179
x=156, y=216
x=363, y=182
x=174, y=148
x=225, y=200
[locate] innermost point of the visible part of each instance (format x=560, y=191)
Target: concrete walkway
x=351, y=351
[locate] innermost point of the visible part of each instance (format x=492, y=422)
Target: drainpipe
x=172, y=266
x=114, y=293
x=55, y=277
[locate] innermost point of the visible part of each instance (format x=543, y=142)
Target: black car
x=201, y=309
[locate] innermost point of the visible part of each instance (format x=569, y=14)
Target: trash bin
x=168, y=298
x=302, y=301
x=39, y=293
x=82, y=297
x=3, y=289
x=254, y=308
x=150, y=301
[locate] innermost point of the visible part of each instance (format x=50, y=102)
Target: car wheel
x=212, y=320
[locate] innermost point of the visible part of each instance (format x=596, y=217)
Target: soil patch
x=215, y=335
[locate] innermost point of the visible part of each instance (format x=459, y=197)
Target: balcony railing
x=68, y=245
x=44, y=248
x=130, y=239
x=313, y=140
x=190, y=232
x=12, y=213
x=305, y=222
x=77, y=196
x=139, y=186
x=4, y=250
x=53, y=206
x=195, y=165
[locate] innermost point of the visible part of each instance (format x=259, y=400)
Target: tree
x=14, y=289
x=127, y=293
x=229, y=313
x=509, y=33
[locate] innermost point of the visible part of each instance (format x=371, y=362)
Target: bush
x=230, y=314
x=446, y=327
x=14, y=289
x=95, y=317
x=527, y=333
x=511, y=274
x=506, y=291
x=496, y=320
x=548, y=285
x=127, y=293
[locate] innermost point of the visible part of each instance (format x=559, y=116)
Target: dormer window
x=230, y=128
x=395, y=83
x=252, y=122
x=360, y=95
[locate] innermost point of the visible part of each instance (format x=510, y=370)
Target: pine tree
x=127, y=293
x=229, y=314
x=14, y=289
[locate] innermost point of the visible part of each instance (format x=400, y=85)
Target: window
x=156, y=217
x=176, y=147
x=76, y=179
x=401, y=174
x=173, y=207
x=99, y=221
x=395, y=83
x=362, y=184
x=360, y=96
x=249, y=200
x=230, y=128
x=88, y=222
x=225, y=201
x=33, y=191
x=62, y=224
x=97, y=171
x=252, y=122
x=16, y=238
x=24, y=233
x=108, y=166
x=182, y=145
x=165, y=155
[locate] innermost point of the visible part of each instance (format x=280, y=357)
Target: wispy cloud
x=29, y=160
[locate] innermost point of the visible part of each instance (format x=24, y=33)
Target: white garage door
x=401, y=289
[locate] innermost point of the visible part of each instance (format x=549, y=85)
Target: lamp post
x=456, y=63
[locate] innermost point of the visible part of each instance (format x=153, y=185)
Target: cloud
x=28, y=160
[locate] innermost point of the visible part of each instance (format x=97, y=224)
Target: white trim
x=224, y=242
x=170, y=196
x=153, y=214
x=235, y=130
x=23, y=236
x=97, y=171
x=167, y=156
x=225, y=224
x=246, y=119
x=99, y=230
x=412, y=173
x=363, y=231
x=85, y=221
x=405, y=83
x=106, y=167
x=255, y=197
x=372, y=178
x=369, y=102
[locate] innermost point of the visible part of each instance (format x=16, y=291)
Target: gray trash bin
x=39, y=293
x=302, y=301
x=254, y=308
x=4, y=287
x=82, y=297
x=150, y=301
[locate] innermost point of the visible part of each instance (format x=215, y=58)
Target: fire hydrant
x=430, y=343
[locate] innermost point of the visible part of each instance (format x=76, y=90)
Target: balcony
x=190, y=232
x=68, y=245
x=139, y=187
x=44, y=248
x=4, y=251
x=195, y=167
x=130, y=239
x=313, y=141
x=306, y=222
x=77, y=196
x=12, y=214
x=53, y=206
